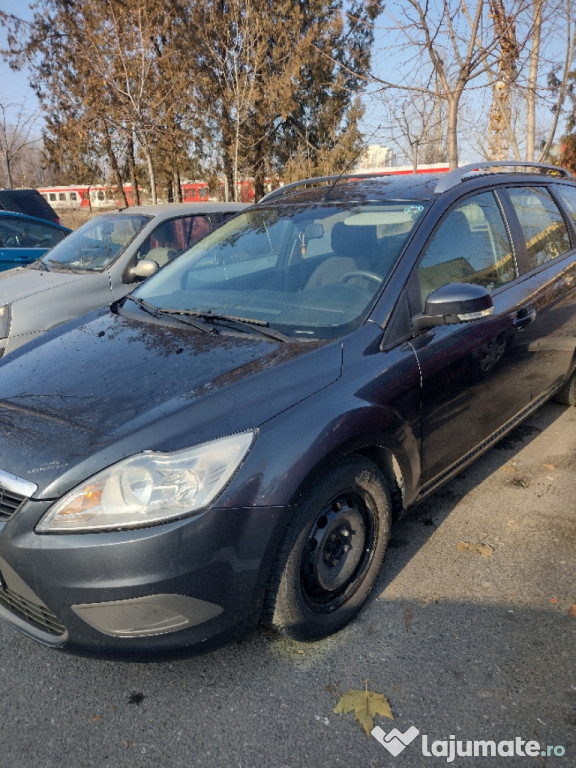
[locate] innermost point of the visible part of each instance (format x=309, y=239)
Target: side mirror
x=143, y=269
x=454, y=303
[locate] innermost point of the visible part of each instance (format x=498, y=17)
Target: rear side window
x=544, y=228
x=471, y=245
x=568, y=197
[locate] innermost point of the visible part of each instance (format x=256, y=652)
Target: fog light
x=149, y=615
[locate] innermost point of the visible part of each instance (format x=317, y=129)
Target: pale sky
x=14, y=88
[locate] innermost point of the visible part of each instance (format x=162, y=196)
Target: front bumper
x=187, y=585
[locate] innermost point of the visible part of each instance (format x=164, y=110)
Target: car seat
x=161, y=255
x=352, y=247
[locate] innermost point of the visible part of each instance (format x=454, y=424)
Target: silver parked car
x=98, y=264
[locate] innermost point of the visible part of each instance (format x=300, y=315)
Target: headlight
x=149, y=488
x=4, y=320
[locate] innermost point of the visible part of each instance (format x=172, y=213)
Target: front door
x=476, y=376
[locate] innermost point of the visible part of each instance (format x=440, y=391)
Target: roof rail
x=336, y=178
x=293, y=185
x=453, y=178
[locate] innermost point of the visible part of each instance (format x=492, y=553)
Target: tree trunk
x=8, y=169
x=132, y=168
x=177, y=187
x=452, y=130
x=533, y=80
x=114, y=165
x=151, y=173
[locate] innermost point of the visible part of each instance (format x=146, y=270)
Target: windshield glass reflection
x=96, y=244
x=311, y=271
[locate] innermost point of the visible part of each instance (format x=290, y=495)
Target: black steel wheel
x=332, y=552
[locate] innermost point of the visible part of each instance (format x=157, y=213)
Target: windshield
x=96, y=244
x=310, y=271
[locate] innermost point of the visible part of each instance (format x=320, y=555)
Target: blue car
x=23, y=238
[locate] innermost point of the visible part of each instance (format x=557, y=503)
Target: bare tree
x=552, y=22
x=518, y=51
x=439, y=39
x=523, y=77
x=416, y=126
x=237, y=47
x=16, y=134
x=130, y=51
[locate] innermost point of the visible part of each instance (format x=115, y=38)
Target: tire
x=567, y=395
x=332, y=552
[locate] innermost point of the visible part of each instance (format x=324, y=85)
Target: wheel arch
x=392, y=463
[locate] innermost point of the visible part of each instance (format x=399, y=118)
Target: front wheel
x=332, y=552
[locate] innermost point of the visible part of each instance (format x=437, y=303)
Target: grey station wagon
x=101, y=261
x=231, y=442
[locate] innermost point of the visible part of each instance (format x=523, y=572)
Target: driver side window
x=471, y=245
x=172, y=237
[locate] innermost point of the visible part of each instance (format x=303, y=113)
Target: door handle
x=524, y=317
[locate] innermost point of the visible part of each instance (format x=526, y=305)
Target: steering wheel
x=360, y=273
x=12, y=241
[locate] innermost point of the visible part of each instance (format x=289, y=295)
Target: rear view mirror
x=314, y=231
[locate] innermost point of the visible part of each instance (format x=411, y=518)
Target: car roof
x=382, y=186
x=37, y=219
x=357, y=188
x=166, y=210
x=28, y=201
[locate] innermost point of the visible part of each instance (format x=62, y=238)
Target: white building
x=373, y=157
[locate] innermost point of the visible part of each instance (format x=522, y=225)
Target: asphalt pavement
x=470, y=637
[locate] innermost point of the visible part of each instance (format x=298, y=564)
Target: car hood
x=25, y=281
x=76, y=401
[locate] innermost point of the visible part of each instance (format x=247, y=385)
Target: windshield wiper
x=241, y=323
x=58, y=265
x=158, y=312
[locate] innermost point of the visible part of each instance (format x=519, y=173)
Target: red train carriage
x=88, y=196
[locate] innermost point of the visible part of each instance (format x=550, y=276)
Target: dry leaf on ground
x=365, y=704
x=486, y=550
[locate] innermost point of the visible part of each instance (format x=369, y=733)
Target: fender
x=373, y=408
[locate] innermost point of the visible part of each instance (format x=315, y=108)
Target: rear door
x=547, y=257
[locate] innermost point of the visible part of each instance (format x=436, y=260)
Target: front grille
x=9, y=503
x=14, y=491
x=33, y=613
